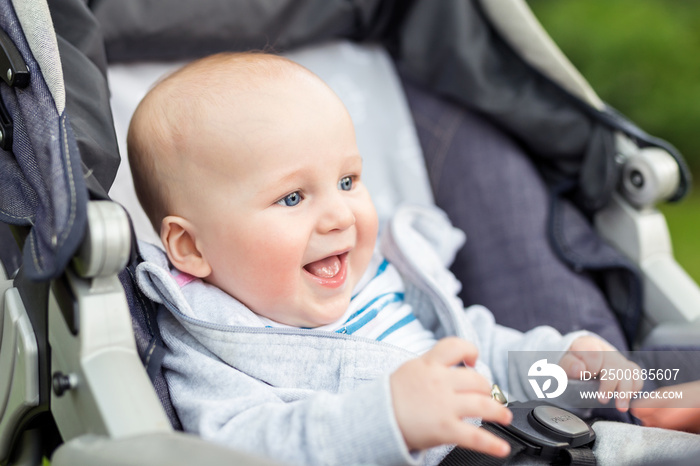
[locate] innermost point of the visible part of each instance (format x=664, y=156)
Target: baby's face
x=283, y=218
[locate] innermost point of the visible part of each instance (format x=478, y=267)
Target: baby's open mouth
x=328, y=267
x=330, y=272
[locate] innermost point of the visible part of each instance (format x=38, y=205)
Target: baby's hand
x=592, y=354
x=431, y=397
x=665, y=413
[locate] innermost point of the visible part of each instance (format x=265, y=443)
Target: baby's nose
x=337, y=216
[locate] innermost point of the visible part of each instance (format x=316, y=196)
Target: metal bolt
x=62, y=383
x=498, y=395
x=9, y=75
x=637, y=179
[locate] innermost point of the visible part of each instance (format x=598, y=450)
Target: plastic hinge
x=107, y=244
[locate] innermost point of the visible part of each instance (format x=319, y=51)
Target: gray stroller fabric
x=486, y=183
x=41, y=180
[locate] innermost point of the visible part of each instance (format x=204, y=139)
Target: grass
x=639, y=56
x=684, y=223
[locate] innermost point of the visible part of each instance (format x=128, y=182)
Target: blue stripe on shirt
x=371, y=314
x=406, y=320
x=382, y=267
x=364, y=308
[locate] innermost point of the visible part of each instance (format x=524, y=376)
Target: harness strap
x=461, y=456
x=581, y=456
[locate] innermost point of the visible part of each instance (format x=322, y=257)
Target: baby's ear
x=180, y=242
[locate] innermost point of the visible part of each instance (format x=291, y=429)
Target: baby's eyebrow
x=356, y=157
x=275, y=181
x=290, y=176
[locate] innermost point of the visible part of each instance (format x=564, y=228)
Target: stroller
x=77, y=386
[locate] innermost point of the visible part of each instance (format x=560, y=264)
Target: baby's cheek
x=367, y=222
x=261, y=274
x=367, y=226
x=275, y=273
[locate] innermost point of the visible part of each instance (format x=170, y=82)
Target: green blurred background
x=643, y=58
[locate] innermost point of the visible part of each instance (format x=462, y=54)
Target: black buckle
x=6, y=127
x=14, y=72
x=13, y=69
x=545, y=430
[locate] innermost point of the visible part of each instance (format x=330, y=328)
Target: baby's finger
x=466, y=379
x=452, y=351
x=484, y=407
x=627, y=387
x=479, y=439
x=638, y=384
x=607, y=385
x=622, y=402
x=593, y=360
x=572, y=365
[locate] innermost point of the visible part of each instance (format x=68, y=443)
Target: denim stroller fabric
x=41, y=181
x=149, y=342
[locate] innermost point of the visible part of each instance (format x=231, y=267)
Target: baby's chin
x=320, y=319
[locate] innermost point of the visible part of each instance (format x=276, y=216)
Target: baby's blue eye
x=290, y=200
x=345, y=183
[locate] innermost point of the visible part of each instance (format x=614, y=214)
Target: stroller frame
x=94, y=371
x=100, y=395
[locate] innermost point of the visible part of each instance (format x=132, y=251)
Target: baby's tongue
x=324, y=268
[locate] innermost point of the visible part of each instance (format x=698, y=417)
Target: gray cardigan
x=320, y=398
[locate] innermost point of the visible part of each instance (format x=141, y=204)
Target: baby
x=289, y=334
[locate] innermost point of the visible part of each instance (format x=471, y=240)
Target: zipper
x=270, y=330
